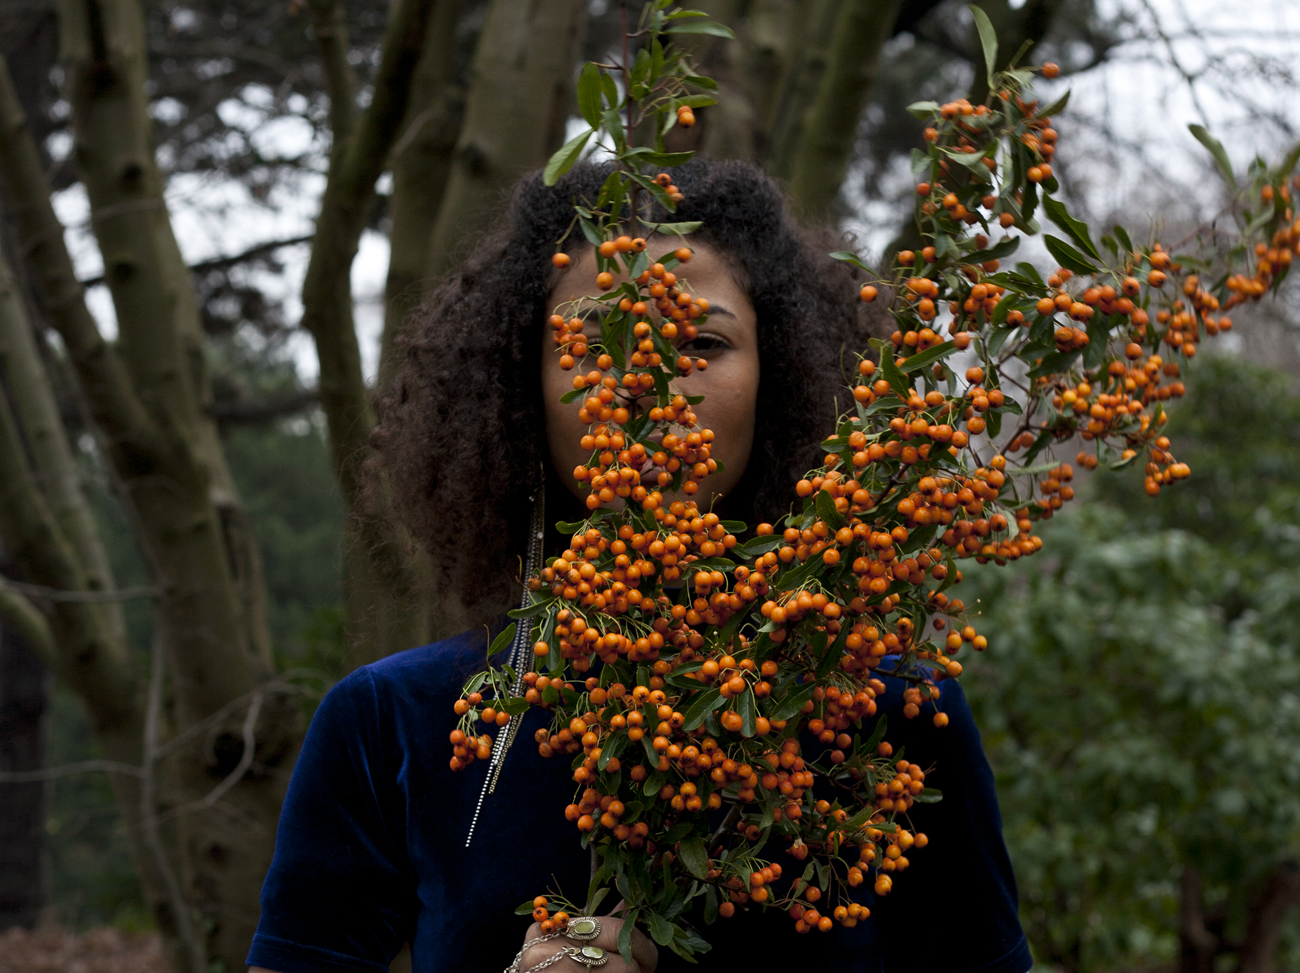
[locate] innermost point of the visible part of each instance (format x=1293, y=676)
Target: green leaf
x=695, y=856
x=1057, y=213
x=1003, y=249
x=759, y=545
x=667, y=159
x=1216, y=150
x=534, y=609
x=504, y=639
x=1056, y=361
x=705, y=703
x=695, y=101
x=923, y=109
x=1029, y=204
x=923, y=358
x=700, y=27
x=526, y=909
x=1289, y=163
x=890, y=371
x=611, y=747
x=700, y=81
x=1056, y=107
x=787, y=709
x=681, y=229
x=661, y=930
x=1030, y=272
x=625, y=935
x=1122, y=238
x=1067, y=256
x=877, y=734
x=610, y=90
x=565, y=159
x=745, y=706
x=849, y=257
x=988, y=39
x=825, y=507
x=589, y=100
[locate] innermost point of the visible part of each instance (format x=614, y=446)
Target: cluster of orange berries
x=466, y=748
x=685, y=118
x=1271, y=259
x=542, y=914
x=685, y=536
x=978, y=306
x=617, y=468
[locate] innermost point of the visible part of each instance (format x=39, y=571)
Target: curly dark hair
x=461, y=434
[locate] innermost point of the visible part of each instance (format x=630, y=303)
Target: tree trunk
x=1197, y=946
x=826, y=145
x=1276, y=900
x=387, y=587
x=146, y=395
x=813, y=27
x=24, y=695
x=771, y=42
x=524, y=59
x=421, y=166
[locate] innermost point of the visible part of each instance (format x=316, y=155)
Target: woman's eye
x=705, y=342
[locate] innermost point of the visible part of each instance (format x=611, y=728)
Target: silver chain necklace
x=520, y=657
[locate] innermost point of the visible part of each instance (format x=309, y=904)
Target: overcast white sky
x=1141, y=95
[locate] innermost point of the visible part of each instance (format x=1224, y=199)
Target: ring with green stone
x=588, y=955
x=582, y=928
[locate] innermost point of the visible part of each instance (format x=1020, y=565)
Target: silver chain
x=569, y=952
x=520, y=656
x=514, y=966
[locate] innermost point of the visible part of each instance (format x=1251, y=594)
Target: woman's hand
x=644, y=951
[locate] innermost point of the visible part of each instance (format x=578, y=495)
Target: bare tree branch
x=330, y=25
x=42, y=593
x=116, y=409
x=26, y=619
x=356, y=163
x=69, y=770
x=224, y=263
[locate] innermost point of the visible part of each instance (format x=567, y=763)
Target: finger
x=644, y=952
x=606, y=940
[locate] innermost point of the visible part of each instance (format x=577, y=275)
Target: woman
x=374, y=847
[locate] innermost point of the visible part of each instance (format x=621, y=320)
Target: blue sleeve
x=955, y=909
x=340, y=894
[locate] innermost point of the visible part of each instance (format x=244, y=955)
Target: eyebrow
x=719, y=309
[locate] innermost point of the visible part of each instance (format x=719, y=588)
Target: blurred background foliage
x=1140, y=699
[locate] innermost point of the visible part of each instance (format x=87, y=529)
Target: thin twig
x=149, y=817
x=221, y=263
x=67, y=595
x=68, y=770
x=210, y=799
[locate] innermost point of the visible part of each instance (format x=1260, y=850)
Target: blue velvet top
x=371, y=851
